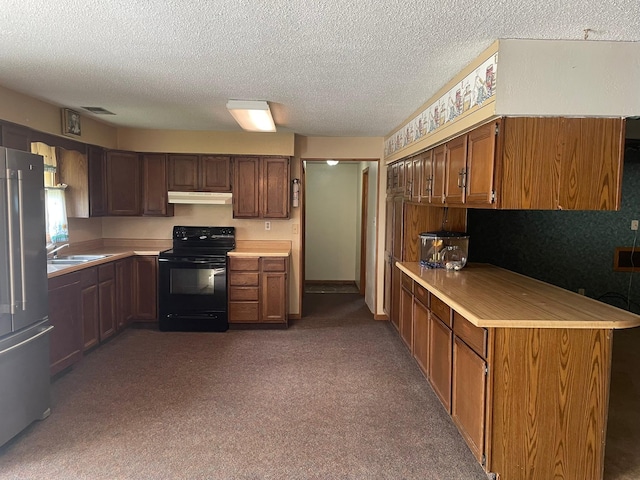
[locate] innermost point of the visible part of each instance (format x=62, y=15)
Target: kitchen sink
x=74, y=259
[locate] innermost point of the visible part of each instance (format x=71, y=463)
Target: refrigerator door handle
x=28, y=340
x=23, y=276
x=10, y=227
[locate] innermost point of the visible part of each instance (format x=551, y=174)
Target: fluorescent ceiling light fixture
x=332, y=163
x=252, y=115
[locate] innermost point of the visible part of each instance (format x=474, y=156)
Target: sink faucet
x=55, y=251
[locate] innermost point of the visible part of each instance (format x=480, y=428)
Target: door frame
x=364, y=207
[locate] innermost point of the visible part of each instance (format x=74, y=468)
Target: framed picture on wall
x=71, y=123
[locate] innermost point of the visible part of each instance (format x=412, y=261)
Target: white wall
x=332, y=207
x=561, y=77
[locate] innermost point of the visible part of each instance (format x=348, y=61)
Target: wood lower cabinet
x=440, y=359
x=145, y=288
x=420, y=321
x=107, y=300
x=90, y=308
x=406, y=311
x=469, y=396
x=124, y=292
x=97, y=163
x=65, y=315
x=258, y=290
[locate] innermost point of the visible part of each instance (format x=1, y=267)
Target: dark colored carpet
x=336, y=396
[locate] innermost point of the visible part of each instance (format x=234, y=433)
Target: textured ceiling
x=335, y=68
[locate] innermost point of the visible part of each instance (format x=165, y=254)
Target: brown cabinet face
x=406, y=317
x=275, y=187
x=481, y=146
x=97, y=163
x=439, y=170
x=145, y=288
x=469, y=395
x=395, y=296
x=440, y=353
x=107, y=300
x=426, y=174
x=123, y=183
x=90, y=307
x=16, y=137
x=124, y=292
x=215, y=173
x=421, y=336
x=273, y=297
x=65, y=315
x=183, y=173
x=246, y=178
x=155, y=201
x=456, y=163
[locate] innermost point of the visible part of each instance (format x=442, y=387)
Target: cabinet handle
x=462, y=178
x=409, y=187
x=429, y=187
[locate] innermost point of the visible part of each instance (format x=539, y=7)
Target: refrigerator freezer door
x=26, y=233
x=5, y=287
x=24, y=376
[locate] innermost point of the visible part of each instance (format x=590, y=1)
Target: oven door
x=192, y=288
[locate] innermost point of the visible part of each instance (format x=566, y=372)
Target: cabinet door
x=415, y=190
x=65, y=316
x=396, y=286
x=273, y=308
x=107, y=300
x=246, y=183
x=215, y=173
x=481, y=145
x=439, y=170
x=398, y=216
x=406, y=317
x=469, y=396
x=426, y=172
x=440, y=353
x=90, y=308
x=16, y=137
x=455, y=169
x=409, y=165
x=145, y=288
x=183, y=173
x=155, y=201
x=97, y=162
x=124, y=292
x=275, y=187
x=421, y=335
x=73, y=170
x=123, y=183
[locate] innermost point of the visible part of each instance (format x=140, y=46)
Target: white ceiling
x=334, y=68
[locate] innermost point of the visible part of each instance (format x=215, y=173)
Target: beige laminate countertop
x=489, y=296
x=261, y=248
x=113, y=253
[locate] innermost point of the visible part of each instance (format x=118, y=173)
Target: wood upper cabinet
x=455, y=172
x=414, y=186
x=97, y=164
x=560, y=163
x=199, y=173
x=15, y=136
x=123, y=183
x=261, y=187
x=438, y=175
x=480, y=169
x=155, y=200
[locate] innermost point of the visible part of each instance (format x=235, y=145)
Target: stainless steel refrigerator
x=24, y=320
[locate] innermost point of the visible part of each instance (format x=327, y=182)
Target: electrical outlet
x=294, y=228
x=267, y=225
x=634, y=224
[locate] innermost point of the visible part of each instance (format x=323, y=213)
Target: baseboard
x=295, y=316
x=382, y=316
x=329, y=282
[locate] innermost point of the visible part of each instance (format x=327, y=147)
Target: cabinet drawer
x=243, y=279
x=243, y=312
x=243, y=294
x=244, y=263
x=276, y=264
x=422, y=294
x=407, y=282
x=473, y=336
x=441, y=310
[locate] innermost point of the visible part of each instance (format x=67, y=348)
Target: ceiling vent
x=98, y=110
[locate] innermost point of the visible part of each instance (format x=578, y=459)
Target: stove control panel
x=195, y=234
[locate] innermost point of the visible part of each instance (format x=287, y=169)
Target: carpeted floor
x=336, y=396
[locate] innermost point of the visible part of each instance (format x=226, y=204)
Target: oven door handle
x=189, y=261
